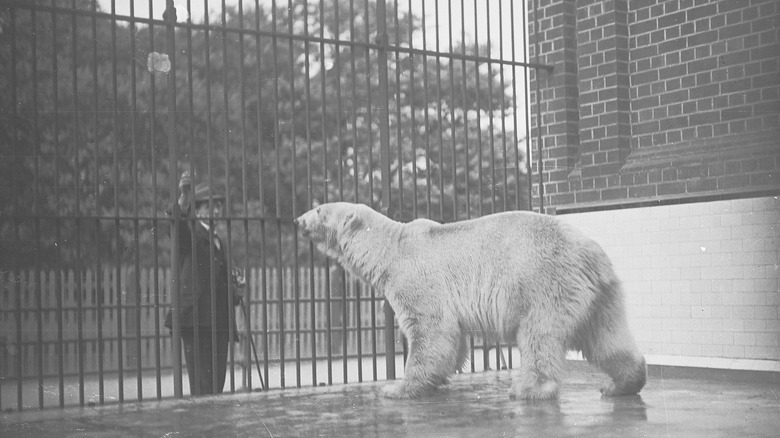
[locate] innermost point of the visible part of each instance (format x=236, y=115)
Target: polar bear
x=513, y=276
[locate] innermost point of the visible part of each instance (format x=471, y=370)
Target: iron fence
x=417, y=109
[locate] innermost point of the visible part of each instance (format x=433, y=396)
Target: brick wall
x=605, y=127
x=701, y=279
x=703, y=69
x=559, y=107
x=657, y=99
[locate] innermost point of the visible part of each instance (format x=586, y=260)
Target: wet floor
x=473, y=405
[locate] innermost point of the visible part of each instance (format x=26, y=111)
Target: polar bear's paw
x=609, y=390
x=398, y=391
x=612, y=390
x=540, y=390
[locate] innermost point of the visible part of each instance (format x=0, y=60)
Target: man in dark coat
x=204, y=285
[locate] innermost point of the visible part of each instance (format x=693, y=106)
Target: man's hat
x=202, y=193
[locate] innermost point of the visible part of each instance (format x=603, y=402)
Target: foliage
x=284, y=123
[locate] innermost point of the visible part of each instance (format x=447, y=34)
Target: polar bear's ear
x=351, y=222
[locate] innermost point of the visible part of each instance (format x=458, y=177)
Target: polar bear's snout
x=307, y=223
x=300, y=224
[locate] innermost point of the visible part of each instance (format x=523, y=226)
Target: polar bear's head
x=331, y=226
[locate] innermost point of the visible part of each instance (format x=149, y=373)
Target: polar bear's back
x=521, y=237
x=503, y=261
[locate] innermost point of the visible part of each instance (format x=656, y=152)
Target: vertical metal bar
x=36, y=152
x=339, y=103
x=340, y=146
x=480, y=160
x=490, y=114
x=264, y=278
x=374, y=366
x=413, y=132
x=398, y=97
x=228, y=207
x=499, y=353
x=370, y=142
x=175, y=337
x=98, y=269
x=526, y=101
x=478, y=115
x=98, y=308
x=58, y=236
x=359, y=328
x=515, y=139
x=261, y=197
x=278, y=188
x=540, y=166
x=117, y=222
x=191, y=220
x=210, y=175
x=17, y=293
x=485, y=345
x=326, y=179
x=384, y=142
x=344, y=322
x=467, y=173
x=170, y=19
x=438, y=111
x=515, y=126
x=478, y=120
x=77, y=212
x=246, y=354
x=426, y=117
x=369, y=106
x=328, y=307
x=117, y=226
x=451, y=72
x=310, y=198
x=226, y=213
x=294, y=175
x=503, y=102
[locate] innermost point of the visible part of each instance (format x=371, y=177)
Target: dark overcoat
x=210, y=263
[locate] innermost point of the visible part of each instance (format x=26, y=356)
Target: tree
x=283, y=122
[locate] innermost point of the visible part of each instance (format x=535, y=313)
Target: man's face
x=202, y=210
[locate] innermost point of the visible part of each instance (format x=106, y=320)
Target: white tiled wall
x=700, y=279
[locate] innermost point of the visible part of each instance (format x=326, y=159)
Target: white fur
x=516, y=276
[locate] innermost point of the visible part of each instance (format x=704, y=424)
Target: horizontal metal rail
x=281, y=108
x=270, y=34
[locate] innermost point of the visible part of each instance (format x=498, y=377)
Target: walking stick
x=239, y=280
x=254, y=349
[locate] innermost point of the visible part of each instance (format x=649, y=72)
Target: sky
x=482, y=19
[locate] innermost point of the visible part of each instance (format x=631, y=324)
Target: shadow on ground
x=473, y=405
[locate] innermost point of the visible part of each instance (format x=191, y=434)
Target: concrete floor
x=473, y=405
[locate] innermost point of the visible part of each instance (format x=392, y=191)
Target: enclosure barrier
x=417, y=109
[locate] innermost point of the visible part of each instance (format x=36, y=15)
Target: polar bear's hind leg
x=542, y=354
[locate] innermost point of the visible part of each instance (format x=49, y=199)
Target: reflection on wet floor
x=472, y=405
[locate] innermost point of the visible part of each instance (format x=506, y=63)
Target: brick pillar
x=557, y=42
x=604, y=106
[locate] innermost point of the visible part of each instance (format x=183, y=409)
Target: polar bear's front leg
x=432, y=358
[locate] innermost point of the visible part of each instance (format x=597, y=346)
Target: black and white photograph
x=389, y=218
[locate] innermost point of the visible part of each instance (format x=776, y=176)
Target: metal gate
x=417, y=109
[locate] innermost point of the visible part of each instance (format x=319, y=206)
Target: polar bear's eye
x=318, y=210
